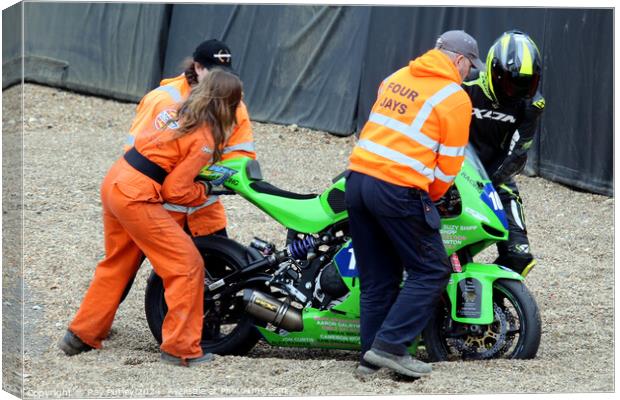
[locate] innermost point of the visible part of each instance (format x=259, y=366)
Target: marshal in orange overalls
x=136, y=222
x=154, y=109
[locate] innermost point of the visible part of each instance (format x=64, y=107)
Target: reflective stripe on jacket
x=190, y=210
x=418, y=128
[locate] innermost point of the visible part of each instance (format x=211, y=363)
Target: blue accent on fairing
x=345, y=261
x=487, y=196
x=224, y=171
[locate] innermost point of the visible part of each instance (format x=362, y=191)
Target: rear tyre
x=227, y=329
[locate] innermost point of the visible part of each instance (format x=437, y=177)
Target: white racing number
x=352, y=259
x=497, y=203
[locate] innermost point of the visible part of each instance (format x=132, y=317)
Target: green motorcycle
x=307, y=294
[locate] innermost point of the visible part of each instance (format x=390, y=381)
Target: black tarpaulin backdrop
x=576, y=139
x=11, y=45
x=113, y=50
x=299, y=65
x=320, y=66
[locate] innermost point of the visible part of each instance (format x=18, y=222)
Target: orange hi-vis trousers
x=131, y=228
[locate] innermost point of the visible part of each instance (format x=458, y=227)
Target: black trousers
x=394, y=229
x=514, y=253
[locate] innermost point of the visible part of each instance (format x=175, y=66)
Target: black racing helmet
x=513, y=67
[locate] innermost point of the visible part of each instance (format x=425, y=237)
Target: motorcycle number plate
x=469, y=298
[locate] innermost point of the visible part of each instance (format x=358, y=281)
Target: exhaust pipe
x=269, y=309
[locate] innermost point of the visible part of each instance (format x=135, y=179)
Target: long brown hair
x=213, y=102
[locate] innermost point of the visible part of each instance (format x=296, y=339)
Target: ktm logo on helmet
x=222, y=56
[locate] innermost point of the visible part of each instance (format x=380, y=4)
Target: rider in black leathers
x=506, y=109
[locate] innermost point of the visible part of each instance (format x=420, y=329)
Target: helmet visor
x=514, y=86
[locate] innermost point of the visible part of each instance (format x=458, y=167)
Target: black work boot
x=72, y=344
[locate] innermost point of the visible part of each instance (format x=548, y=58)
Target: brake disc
x=490, y=343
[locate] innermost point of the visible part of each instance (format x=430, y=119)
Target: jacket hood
x=180, y=83
x=171, y=80
x=435, y=64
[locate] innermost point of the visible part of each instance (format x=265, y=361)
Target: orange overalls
x=135, y=222
x=153, y=111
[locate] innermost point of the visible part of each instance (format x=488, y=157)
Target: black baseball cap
x=213, y=53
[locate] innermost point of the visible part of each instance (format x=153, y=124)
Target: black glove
x=449, y=205
x=214, y=188
x=512, y=165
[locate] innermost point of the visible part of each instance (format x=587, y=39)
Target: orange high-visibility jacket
x=154, y=110
x=418, y=128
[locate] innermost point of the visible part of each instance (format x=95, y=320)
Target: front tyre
x=514, y=333
x=227, y=329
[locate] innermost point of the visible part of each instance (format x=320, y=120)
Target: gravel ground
x=70, y=141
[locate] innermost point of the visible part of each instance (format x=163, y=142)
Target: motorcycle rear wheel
x=227, y=329
x=514, y=334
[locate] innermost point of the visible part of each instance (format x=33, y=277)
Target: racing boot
x=520, y=262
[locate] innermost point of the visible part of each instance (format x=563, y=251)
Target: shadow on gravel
x=263, y=350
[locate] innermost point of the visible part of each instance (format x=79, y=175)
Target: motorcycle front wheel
x=227, y=329
x=514, y=333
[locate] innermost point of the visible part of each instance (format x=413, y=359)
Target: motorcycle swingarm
x=235, y=286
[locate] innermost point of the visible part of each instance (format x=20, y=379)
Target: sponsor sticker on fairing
x=476, y=215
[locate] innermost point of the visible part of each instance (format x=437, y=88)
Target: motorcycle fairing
x=337, y=328
x=471, y=292
x=302, y=213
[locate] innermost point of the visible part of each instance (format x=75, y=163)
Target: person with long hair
x=160, y=167
x=159, y=105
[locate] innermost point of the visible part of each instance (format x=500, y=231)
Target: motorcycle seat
x=268, y=188
x=253, y=171
x=304, y=213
